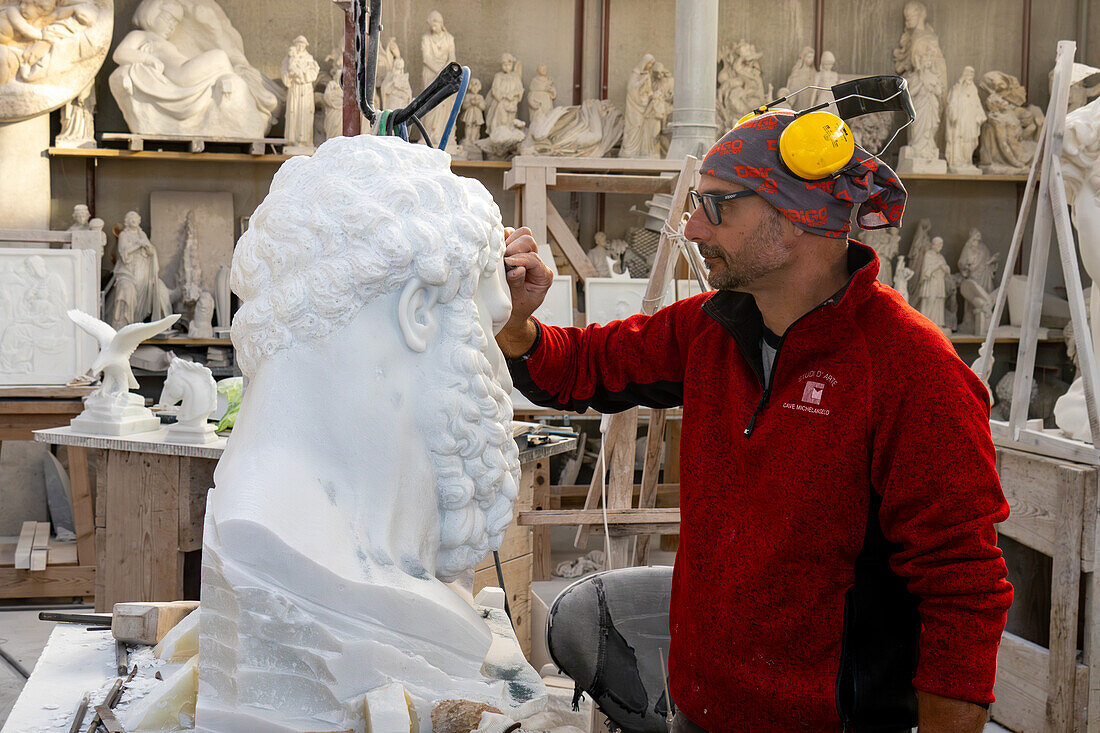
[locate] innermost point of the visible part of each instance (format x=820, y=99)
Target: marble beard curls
x=749, y=156
x=308, y=260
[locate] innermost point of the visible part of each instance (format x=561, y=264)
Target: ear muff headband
x=815, y=146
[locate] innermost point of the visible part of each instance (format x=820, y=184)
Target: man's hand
x=936, y=714
x=528, y=281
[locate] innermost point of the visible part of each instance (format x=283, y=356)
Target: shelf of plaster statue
x=217, y=372
x=111, y=153
x=184, y=341
x=966, y=339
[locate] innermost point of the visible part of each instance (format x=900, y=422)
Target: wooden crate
x=1054, y=503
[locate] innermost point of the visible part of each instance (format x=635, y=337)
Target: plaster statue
x=437, y=49
x=639, y=92
x=189, y=274
x=1010, y=133
x=82, y=217
x=1080, y=162
x=977, y=263
x=183, y=72
x=504, y=95
x=871, y=131
x=1084, y=85
x=473, y=117
x=587, y=130
x=919, y=59
x=740, y=83
x=137, y=291
x=802, y=75
x=902, y=276
x=332, y=528
x=299, y=72
x=978, y=310
x=332, y=98
x=606, y=253
x=886, y=244
x=396, y=92
x=922, y=240
x=503, y=142
x=541, y=94
x=50, y=51
x=192, y=386
x=826, y=77
x=201, y=325
x=387, y=55
x=965, y=116
x=659, y=110
x=111, y=409
x=222, y=296
x=78, y=121
x=932, y=284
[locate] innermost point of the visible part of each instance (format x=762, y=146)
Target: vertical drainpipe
x=694, y=123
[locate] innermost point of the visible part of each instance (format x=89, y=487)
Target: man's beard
x=473, y=453
x=762, y=254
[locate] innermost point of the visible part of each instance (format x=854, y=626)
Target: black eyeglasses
x=712, y=202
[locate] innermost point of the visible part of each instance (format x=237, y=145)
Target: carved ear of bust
x=416, y=314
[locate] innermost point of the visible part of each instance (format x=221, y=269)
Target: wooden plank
x=142, y=560
x=196, y=478
x=570, y=247
x=83, y=514
x=622, y=165
x=34, y=235
x=647, y=497
x=100, y=594
x=517, y=586
x=45, y=393
x=42, y=407
x=63, y=553
x=53, y=582
x=620, y=484
x=595, y=489
x=534, y=203
x=595, y=516
x=1064, y=598
x=1021, y=687
x=517, y=543
x=1046, y=444
x=40, y=546
x=1031, y=484
x=24, y=546
x=610, y=183
x=540, y=536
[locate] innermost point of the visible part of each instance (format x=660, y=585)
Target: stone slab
x=39, y=344
x=214, y=224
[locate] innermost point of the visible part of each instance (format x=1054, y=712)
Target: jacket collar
x=738, y=314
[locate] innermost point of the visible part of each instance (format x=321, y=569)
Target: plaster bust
x=372, y=459
x=183, y=71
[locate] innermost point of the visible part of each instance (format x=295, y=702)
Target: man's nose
x=697, y=228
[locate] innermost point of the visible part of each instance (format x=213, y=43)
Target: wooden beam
x=570, y=247
x=612, y=165
x=611, y=183
x=23, y=547
x=1064, y=598
x=647, y=497
x=83, y=513
x=579, y=491
x=667, y=517
x=54, y=581
x=40, y=546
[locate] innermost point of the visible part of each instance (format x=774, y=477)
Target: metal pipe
x=350, y=118
x=1025, y=62
x=578, y=49
x=1083, y=29
x=819, y=31
x=693, y=121
x=605, y=44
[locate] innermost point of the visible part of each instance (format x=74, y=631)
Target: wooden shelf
x=960, y=177
x=967, y=339
x=184, y=341
x=111, y=153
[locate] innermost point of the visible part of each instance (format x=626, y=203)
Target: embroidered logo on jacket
x=811, y=395
x=813, y=392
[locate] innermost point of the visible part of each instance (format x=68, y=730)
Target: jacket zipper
x=771, y=375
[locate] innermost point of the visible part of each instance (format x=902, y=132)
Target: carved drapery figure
x=885, y=242
x=1011, y=130
x=639, y=92
x=919, y=59
x=965, y=116
x=135, y=289
x=902, y=276
x=922, y=240
x=183, y=71
x=541, y=94
x=332, y=99
x=78, y=121
x=299, y=72
x=396, y=91
x=473, y=113
x=932, y=287
x=504, y=95
x=826, y=77
x=740, y=82
x=802, y=75
x=437, y=49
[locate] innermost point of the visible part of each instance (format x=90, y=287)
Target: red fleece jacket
x=872, y=427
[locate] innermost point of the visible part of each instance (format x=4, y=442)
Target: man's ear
x=416, y=314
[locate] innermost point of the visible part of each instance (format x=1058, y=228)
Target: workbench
x=150, y=503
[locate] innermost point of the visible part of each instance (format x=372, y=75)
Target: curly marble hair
x=1081, y=151
x=338, y=229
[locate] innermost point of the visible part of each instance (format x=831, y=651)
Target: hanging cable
x=455, y=107
x=423, y=132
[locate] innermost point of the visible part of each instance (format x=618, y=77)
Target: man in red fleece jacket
x=838, y=567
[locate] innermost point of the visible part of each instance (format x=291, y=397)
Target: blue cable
x=455, y=108
x=404, y=132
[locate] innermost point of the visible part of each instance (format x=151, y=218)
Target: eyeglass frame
x=714, y=201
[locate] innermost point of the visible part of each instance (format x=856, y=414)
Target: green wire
x=382, y=120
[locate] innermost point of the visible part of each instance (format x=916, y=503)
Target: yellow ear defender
x=816, y=145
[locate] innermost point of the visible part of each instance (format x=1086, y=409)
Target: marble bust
x=1080, y=161
x=372, y=460
x=183, y=71
x=50, y=50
